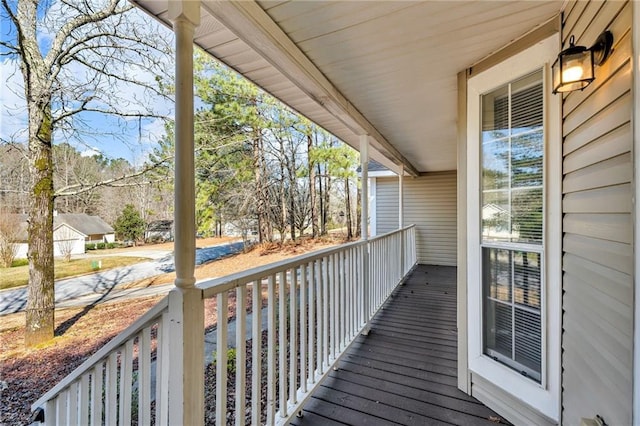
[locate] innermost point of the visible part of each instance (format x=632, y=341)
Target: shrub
x=129, y=225
x=90, y=246
x=9, y=233
x=101, y=246
x=112, y=245
x=231, y=360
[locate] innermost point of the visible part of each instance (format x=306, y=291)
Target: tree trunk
x=312, y=189
x=283, y=207
x=323, y=217
x=292, y=196
x=40, y=300
x=260, y=196
x=292, y=213
x=39, y=311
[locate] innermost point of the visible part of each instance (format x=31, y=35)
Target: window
x=512, y=223
x=514, y=229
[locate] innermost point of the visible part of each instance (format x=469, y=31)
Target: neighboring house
x=21, y=253
x=93, y=228
x=67, y=240
x=240, y=228
x=458, y=96
x=71, y=231
x=159, y=230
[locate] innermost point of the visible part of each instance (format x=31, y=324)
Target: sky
x=135, y=137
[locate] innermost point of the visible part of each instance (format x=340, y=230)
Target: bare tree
x=9, y=238
x=14, y=178
x=93, y=47
x=315, y=231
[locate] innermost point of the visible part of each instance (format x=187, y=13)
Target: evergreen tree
x=129, y=225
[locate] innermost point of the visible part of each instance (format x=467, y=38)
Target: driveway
x=106, y=285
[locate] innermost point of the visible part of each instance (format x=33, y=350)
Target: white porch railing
x=315, y=305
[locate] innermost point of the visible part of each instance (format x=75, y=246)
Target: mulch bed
x=27, y=374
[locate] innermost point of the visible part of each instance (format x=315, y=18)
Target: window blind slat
x=512, y=212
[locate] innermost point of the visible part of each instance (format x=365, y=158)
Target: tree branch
x=80, y=188
x=115, y=76
x=107, y=112
x=12, y=15
x=79, y=21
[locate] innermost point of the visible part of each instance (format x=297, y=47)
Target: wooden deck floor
x=404, y=371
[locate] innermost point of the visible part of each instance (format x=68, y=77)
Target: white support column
x=401, y=215
x=186, y=313
x=364, y=165
x=400, y=196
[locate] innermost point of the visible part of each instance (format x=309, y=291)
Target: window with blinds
x=512, y=223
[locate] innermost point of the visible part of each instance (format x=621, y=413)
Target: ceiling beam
x=249, y=22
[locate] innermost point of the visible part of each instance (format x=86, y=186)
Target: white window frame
x=544, y=396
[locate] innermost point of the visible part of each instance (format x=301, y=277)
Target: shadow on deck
x=404, y=371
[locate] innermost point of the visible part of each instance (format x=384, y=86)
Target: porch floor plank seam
x=404, y=372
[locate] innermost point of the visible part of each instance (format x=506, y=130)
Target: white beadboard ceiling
x=383, y=68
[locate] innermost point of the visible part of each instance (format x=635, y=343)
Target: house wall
x=101, y=238
x=386, y=204
x=21, y=253
x=430, y=204
x=597, y=339
x=64, y=235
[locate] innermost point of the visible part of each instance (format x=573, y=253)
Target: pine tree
x=129, y=225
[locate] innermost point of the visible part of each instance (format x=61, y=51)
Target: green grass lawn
x=19, y=275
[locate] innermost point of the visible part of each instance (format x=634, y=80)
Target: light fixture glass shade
x=573, y=70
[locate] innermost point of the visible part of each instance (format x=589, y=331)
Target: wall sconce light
x=574, y=68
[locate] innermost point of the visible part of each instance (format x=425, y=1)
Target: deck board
x=404, y=371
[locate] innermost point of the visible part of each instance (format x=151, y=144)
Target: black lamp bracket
x=602, y=47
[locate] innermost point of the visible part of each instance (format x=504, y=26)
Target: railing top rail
x=215, y=286
x=378, y=237
x=151, y=315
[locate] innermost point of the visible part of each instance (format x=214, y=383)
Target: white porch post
x=364, y=164
x=186, y=329
x=401, y=216
x=400, y=196
x=364, y=230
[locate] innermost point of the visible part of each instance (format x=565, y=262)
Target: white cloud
x=91, y=152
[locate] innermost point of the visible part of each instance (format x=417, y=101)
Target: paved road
x=107, y=285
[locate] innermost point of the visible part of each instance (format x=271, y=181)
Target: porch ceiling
x=383, y=68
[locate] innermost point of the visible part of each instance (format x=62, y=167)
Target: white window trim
x=544, y=397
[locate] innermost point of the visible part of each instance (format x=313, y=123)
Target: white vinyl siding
x=430, y=204
x=386, y=204
x=67, y=239
x=597, y=338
